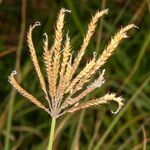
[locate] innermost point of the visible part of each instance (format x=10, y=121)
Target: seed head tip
x=37, y=23
x=14, y=72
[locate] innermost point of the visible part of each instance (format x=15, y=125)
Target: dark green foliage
x=127, y=73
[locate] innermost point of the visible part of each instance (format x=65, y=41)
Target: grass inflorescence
x=64, y=89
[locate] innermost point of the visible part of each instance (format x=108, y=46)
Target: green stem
x=17, y=66
x=9, y=119
x=52, y=130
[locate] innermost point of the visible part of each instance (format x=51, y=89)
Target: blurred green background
x=24, y=127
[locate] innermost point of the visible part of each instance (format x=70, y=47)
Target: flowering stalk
x=51, y=136
x=65, y=91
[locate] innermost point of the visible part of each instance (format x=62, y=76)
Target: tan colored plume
x=65, y=90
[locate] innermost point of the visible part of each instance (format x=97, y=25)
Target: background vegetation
x=127, y=73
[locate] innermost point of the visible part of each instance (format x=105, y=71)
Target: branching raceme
x=65, y=90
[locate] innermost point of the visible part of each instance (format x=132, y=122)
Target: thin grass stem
x=17, y=66
x=51, y=137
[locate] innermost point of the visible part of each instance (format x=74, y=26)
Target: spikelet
x=91, y=28
x=24, y=93
x=68, y=70
x=85, y=71
x=115, y=41
x=96, y=102
x=34, y=58
x=96, y=84
x=58, y=31
x=121, y=34
x=47, y=56
x=66, y=54
x=57, y=43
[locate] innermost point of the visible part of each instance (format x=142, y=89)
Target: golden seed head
x=60, y=71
